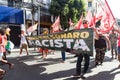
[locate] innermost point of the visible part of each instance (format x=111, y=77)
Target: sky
x=115, y=7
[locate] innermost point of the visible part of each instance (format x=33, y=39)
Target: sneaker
x=11, y=66
x=101, y=63
x=82, y=77
x=63, y=61
x=118, y=66
x=96, y=64
x=76, y=75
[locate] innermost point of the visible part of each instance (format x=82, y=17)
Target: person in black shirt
x=101, y=45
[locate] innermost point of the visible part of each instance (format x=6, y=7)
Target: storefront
x=12, y=18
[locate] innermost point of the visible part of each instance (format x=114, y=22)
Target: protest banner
x=78, y=40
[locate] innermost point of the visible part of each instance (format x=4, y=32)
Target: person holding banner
x=44, y=51
x=80, y=57
x=84, y=55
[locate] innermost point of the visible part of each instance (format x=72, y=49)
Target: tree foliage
x=67, y=9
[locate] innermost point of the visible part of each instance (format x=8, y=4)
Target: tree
x=67, y=9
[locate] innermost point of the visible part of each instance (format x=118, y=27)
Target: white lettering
x=37, y=42
x=80, y=44
x=51, y=43
x=68, y=42
x=58, y=43
x=31, y=42
x=45, y=43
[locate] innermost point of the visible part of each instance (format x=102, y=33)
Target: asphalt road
x=33, y=67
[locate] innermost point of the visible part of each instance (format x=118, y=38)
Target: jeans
x=80, y=57
x=63, y=55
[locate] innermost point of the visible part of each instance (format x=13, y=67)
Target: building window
x=89, y=4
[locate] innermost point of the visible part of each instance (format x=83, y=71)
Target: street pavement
x=33, y=67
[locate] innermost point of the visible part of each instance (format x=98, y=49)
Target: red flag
x=90, y=19
x=108, y=19
x=70, y=22
x=32, y=28
x=99, y=13
x=79, y=25
x=56, y=25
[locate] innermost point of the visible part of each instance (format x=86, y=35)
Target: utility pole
x=24, y=13
x=38, y=20
x=32, y=11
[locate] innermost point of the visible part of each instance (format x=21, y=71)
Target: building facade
x=34, y=11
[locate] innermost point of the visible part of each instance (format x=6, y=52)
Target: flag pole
x=38, y=27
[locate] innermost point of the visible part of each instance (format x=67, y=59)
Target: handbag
x=9, y=46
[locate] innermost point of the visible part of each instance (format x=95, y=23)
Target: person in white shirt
x=23, y=42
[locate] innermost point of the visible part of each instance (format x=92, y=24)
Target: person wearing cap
x=23, y=42
x=82, y=56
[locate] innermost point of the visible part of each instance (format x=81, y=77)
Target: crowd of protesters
x=102, y=44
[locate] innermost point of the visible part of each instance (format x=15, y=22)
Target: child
x=23, y=42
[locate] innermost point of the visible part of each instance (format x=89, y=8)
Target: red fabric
x=99, y=13
x=79, y=25
x=0, y=39
x=3, y=40
x=119, y=42
x=70, y=22
x=56, y=25
x=90, y=19
x=41, y=50
x=108, y=19
x=32, y=28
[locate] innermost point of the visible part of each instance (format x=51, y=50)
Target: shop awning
x=11, y=15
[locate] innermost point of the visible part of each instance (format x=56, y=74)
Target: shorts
x=41, y=50
x=24, y=46
x=118, y=50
